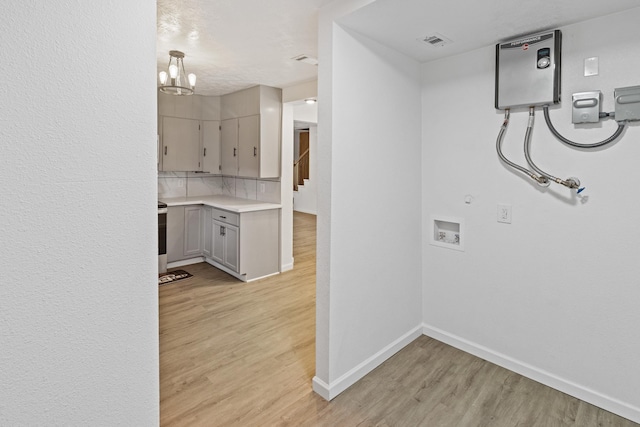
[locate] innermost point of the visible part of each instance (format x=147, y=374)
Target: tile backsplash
x=186, y=184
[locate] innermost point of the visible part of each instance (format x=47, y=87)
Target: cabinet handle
x=255, y=151
x=223, y=217
x=205, y=152
x=234, y=152
x=222, y=233
x=165, y=150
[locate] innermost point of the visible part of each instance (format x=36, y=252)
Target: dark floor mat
x=173, y=276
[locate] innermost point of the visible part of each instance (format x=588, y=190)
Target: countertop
x=233, y=204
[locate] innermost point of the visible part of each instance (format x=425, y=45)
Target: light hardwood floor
x=243, y=354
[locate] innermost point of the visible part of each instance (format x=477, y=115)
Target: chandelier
x=175, y=80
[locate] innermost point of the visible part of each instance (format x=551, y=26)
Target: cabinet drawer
x=226, y=216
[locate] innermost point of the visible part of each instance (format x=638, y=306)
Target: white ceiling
x=402, y=24
x=234, y=44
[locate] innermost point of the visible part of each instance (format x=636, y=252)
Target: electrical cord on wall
x=612, y=138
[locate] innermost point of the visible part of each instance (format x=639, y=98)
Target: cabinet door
x=226, y=245
x=229, y=147
x=211, y=146
x=232, y=247
x=180, y=144
x=207, y=230
x=192, y=231
x=175, y=233
x=249, y=146
x=217, y=242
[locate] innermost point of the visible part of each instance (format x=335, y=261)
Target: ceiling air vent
x=307, y=59
x=437, y=40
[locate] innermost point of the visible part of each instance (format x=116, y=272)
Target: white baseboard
x=576, y=390
x=263, y=277
x=330, y=391
x=184, y=262
x=287, y=267
x=321, y=388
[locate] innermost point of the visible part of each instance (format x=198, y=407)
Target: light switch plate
x=591, y=66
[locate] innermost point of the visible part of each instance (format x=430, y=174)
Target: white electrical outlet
x=262, y=187
x=504, y=213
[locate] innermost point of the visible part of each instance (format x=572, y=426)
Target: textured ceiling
x=234, y=44
x=402, y=24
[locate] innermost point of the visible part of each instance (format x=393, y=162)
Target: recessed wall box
x=528, y=71
x=447, y=232
x=586, y=107
x=627, y=103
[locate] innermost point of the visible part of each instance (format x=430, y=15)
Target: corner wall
x=554, y=294
x=368, y=258
x=79, y=293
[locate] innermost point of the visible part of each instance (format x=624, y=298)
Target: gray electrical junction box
x=528, y=71
x=627, y=103
x=585, y=107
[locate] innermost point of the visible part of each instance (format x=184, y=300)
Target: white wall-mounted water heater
x=528, y=71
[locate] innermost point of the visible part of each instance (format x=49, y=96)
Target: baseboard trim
x=184, y=262
x=330, y=391
x=576, y=390
x=287, y=267
x=321, y=388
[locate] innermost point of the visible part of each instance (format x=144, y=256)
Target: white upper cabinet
x=229, y=147
x=238, y=134
x=249, y=146
x=210, y=130
x=259, y=113
x=180, y=144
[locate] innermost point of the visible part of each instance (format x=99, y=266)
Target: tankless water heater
x=528, y=71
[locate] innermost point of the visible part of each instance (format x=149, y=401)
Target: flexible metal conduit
x=539, y=179
x=553, y=130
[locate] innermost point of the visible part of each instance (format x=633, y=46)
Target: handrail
x=301, y=157
x=301, y=163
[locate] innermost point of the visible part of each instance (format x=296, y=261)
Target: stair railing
x=301, y=170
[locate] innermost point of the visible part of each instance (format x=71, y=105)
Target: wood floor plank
x=243, y=354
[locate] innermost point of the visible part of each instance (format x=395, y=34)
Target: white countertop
x=233, y=204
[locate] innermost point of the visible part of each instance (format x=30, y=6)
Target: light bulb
x=192, y=80
x=163, y=77
x=310, y=101
x=173, y=71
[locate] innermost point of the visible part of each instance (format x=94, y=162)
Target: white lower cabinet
x=185, y=237
x=226, y=245
x=206, y=231
x=175, y=233
x=245, y=245
x=193, y=231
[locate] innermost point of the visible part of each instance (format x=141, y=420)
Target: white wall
x=554, y=294
x=306, y=112
x=368, y=262
x=78, y=301
x=286, y=189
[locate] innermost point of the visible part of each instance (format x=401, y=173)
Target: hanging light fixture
x=175, y=80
